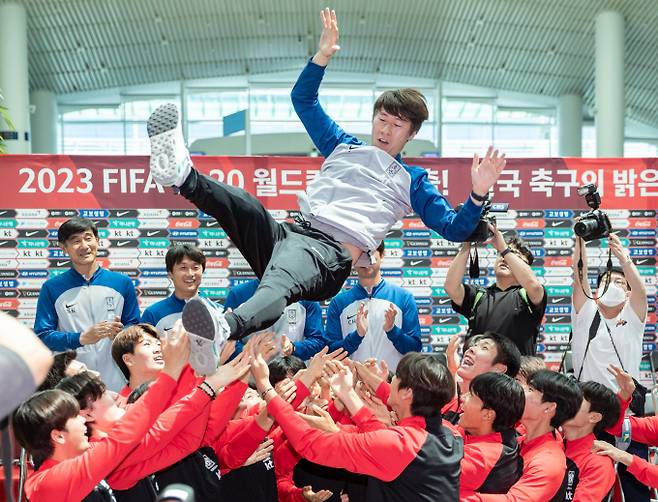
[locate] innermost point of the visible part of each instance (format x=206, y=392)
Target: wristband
x=627, y=262
x=480, y=198
x=505, y=252
x=264, y=393
x=205, y=387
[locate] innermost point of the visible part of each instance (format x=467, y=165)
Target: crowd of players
x=259, y=400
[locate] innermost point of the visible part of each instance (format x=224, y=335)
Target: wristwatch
x=505, y=252
x=480, y=198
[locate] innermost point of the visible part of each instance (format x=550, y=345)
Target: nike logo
x=62, y=263
x=3, y=212
x=3, y=242
x=31, y=233
x=640, y=262
x=211, y=223
x=350, y=317
x=415, y=262
x=558, y=319
x=168, y=329
x=443, y=301
x=555, y=223
x=557, y=300
x=69, y=306
x=352, y=147
x=151, y=234
x=122, y=213
x=443, y=321
x=122, y=243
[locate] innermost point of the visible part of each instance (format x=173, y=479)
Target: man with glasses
x=513, y=306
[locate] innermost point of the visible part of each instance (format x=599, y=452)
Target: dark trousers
x=292, y=263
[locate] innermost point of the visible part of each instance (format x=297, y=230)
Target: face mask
x=613, y=297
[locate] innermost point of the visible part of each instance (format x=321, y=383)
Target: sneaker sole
x=198, y=320
x=163, y=119
x=161, y=127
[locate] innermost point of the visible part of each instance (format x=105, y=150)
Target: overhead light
x=157, y=18
x=261, y=20
x=164, y=41
x=479, y=21
x=362, y=20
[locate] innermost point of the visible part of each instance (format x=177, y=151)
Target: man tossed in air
x=360, y=192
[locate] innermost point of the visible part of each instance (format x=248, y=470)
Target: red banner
x=60, y=181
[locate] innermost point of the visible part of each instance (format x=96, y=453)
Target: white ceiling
x=543, y=47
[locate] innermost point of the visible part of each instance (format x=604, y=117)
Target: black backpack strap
x=593, y=329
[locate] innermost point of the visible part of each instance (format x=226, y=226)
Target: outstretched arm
x=322, y=129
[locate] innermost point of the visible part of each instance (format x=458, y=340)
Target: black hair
x=84, y=387
x=381, y=248
x=74, y=226
x=176, y=253
x=530, y=365
x=283, y=367
x=58, y=369
x=507, y=352
x=430, y=381
x=37, y=417
x=503, y=395
x=613, y=270
x=521, y=246
x=561, y=390
x=601, y=400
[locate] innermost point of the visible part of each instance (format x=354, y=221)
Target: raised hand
x=389, y=317
x=485, y=173
x=328, y=45
x=369, y=377
x=618, y=249
x=451, y=354
x=286, y=346
x=227, y=351
x=175, y=348
x=342, y=382
x=320, y=420
x=314, y=368
x=287, y=389
x=624, y=380
x=362, y=320
x=230, y=372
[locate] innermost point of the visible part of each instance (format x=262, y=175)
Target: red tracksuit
x=491, y=463
x=544, y=465
x=418, y=459
x=589, y=476
x=73, y=479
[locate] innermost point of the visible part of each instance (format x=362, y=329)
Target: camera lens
x=585, y=227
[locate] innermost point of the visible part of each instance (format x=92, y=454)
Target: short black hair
x=283, y=367
x=37, y=417
x=601, y=400
x=530, y=365
x=58, y=369
x=430, y=381
x=177, y=252
x=521, y=246
x=502, y=394
x=407, y=104
x=84, y=387
x=613, y=270
x=561, y=390
x=74, y=226
x=507, y=352
x=138, y=392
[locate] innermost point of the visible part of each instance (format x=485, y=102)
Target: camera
x=594, y=224
x=482, y=232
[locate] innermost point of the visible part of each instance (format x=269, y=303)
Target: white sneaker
x=208, y=332
x=170, y=161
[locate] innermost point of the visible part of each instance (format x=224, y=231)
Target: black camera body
x=482, y=233
x=594, y=224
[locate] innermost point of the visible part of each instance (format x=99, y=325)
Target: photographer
x=513, y=306
x=607, y=328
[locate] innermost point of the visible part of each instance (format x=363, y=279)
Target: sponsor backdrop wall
x=138, y=220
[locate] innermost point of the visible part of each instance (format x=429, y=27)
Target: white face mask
x=613, y=297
